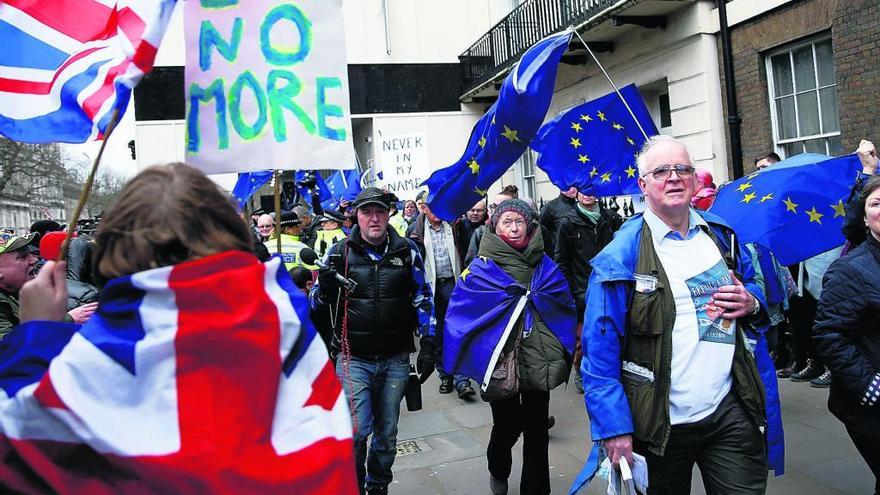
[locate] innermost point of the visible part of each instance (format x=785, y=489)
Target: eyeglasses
x=665, y=172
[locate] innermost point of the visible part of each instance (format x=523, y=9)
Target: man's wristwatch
x=757, y=309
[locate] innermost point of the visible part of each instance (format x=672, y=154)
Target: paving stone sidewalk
x=444, y=447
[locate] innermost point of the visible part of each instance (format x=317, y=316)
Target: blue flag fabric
x=247, y=184
x=795, y=207
x=306, y=192
x=503, y=133
x=485, y=306
x=593, y=146
x=343, y=185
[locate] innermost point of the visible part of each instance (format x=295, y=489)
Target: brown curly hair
x=165, y=215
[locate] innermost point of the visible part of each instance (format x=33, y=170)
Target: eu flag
x=794, y=207
x=343, y=185
x=593, y=146
x=247, y=184
x=503, y=133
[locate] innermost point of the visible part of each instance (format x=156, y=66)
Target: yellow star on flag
x=617, y=126
x=766, y=198
x=510, y=134
x=630, y=172
x=815, y=216
x=606, y=177
x=601, y=116
x=839, y=209
x=583, y=158
x=743, y=187
x=752, y=175
x=493, y=120
x=790, y=205
x=465, y=273
x=575, y=142
x=481, y=192
x=748, y=197
x=630, y=141
x=482, y=141
x=474, y=166
x=586, y=118
x=594, y=172
x=576, y=127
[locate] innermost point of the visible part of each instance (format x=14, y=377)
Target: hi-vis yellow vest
x=326, y=239
x=290, y=251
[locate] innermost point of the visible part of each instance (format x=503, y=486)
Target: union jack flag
x=203, y=377
x=66, y=64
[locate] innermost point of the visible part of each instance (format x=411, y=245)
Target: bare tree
x=28, y=170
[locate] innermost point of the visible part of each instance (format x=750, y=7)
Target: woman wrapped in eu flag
x=511, y=327
x=200, y=371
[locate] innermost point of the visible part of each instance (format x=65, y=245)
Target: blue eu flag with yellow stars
x=795, y=207
x=503, y=133
x=593, y=146
x=247, y=184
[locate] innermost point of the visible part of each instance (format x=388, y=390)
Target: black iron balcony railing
x=502, y=45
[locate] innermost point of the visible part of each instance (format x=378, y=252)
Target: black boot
x=446, y=386
x=810, y=371
x=790, y=370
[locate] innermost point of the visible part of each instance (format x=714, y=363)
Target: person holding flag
x=511, y=326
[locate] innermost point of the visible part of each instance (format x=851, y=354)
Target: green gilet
x=648, y=343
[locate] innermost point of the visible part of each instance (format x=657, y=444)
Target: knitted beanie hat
x=517, y=206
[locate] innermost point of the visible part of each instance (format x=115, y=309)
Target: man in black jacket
x=552, y=213
x=583, y=232
x=373, y=334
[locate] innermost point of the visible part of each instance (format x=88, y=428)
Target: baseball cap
x=374, y=196
x=9, y=242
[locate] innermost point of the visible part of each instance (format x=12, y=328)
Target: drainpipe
x=387, y=28
x=733, y=119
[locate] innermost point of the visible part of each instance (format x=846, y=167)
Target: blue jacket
x=607, y=298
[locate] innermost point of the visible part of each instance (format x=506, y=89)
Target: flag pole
x=87, y=187
x=628, y=109
x=278, y=211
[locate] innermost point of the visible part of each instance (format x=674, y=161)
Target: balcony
x=600, y=22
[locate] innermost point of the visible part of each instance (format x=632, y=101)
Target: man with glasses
x=17, y=266
x=666, y=368
x=266, y=227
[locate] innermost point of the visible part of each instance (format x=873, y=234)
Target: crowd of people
x=675, y=329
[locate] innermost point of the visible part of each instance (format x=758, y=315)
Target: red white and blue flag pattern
x=203, y=377
x=66, y=64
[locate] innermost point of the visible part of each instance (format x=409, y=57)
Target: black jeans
x=525, y=413
x=869, y=448
x=801, y=315
x=726, y=445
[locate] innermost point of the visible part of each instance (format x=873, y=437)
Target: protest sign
x=266, y=86
x=403, y=160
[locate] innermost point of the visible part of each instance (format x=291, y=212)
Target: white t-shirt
x=702, y=341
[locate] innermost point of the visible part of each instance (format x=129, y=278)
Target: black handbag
x=413, y=391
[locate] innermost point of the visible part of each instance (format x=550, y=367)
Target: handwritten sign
x=404, y=163
x=266, y=86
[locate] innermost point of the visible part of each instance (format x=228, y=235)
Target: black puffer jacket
x=81, y=288
x=847, y=334
x=551, y=215
x=579, y=240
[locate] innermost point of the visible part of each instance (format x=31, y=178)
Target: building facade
x=807, y=73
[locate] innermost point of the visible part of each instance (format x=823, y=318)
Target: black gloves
x=425, y=361
x=327, y=280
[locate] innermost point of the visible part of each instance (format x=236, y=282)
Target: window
x=803, y=99
x=665, y=113
x=527, y=175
